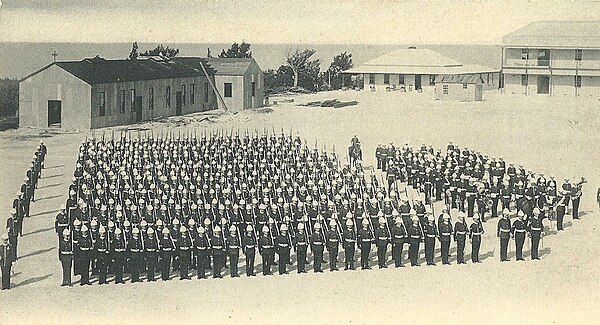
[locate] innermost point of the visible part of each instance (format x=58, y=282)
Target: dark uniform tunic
x=398, y=238
x=333, y=243
x=518, y=230
x=283, y=246
x=445, y=232
x=233, y=249
x=504, y=228
x=349, y=237
x=316, y=246
x=201, y=249
x=250, y=252
x=65, y=256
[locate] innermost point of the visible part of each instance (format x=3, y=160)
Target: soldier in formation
x=189, y=203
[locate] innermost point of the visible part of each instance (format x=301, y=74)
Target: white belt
x=504, y=230
x=430, y=236
x=520, y=230
x=536, y=228
x=461, y=232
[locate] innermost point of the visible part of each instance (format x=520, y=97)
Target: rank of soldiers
x=20, y=211
x=160, y=204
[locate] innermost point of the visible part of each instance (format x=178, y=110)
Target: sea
x=18, y=60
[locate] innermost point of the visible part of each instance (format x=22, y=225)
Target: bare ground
x=557, y=136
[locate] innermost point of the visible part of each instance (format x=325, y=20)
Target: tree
x=340, y=63
x=237, y=51
x=303, y=68
x=133, y=55
x=163, y=51
x=9, y=97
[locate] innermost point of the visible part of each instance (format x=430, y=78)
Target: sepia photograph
x=300, y=161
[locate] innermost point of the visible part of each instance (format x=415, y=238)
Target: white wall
x=54, y=83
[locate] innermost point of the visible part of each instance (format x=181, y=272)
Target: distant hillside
x=19, y=59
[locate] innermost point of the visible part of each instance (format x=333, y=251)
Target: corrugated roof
x=413, y=58
x=459, y=79
x=98, y=70
x=230, y=66
x=453, y=70
x=581, y=34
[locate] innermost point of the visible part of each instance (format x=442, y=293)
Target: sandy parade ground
x=555, y=136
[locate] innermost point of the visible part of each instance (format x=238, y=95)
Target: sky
x=273, y=21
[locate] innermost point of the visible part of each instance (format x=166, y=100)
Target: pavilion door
x=178, y=103
x=54, y=112
x=543, y=85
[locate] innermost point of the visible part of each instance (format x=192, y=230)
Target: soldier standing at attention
x=415, y=236
x=301, y=241
x=167, y=246
x=445, y=231
x=283, y=249
x=135, y=250
x=217, y=244
x=476, y=231
x=201, y=247
x=316, y=246
x=233, y=248
x=65, y=255
x=85, y=247
x=249, y=250
x=333, y=244
x=151, y=248
x=349, y=244
x=382, y=238
x=535, y=227
x=504, y=230
x=7, y=259
x=398, y=238
x=101, y=249
x=118, y=247
x=460, y=237
x=518, y=233
x=266, y=244
x=365, y=238
x=431, y=233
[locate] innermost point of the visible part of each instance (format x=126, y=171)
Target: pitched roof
x=413, y=57
x=98, y=70
x=581, y=34
x=454, y=70
x=230, y=66
x=459, y=79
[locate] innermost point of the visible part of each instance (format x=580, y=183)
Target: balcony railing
x=526, y=63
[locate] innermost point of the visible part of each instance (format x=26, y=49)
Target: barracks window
x=578, y=55
x=401, y=79
x=192, y=94
x=577, y=81
x=386, y=78
x=432, y=80
x=132, y=99
x=183, y=95
x=151, y=98
x=445, y=90
x=228, y=90
x=122, y=101
x=371, y=78
x=102, y=103
x=168, y=97
x=524, y=55
x=206, y=92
